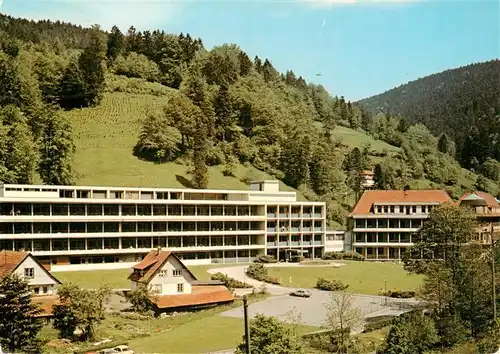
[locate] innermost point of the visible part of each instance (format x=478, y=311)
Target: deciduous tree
x=269, y=336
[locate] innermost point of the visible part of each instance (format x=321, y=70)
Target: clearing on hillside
x=106, y=135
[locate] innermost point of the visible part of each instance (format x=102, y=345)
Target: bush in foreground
x=258, y=272
x=330, y=285
x=229, y=282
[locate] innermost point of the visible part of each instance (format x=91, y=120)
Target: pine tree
x=116, y=44
x=443, y=143
x=245, y=63
x=199, y=171
x=269, y=73
x=10, y=85
x=257, y=64
x=18, y=325
x=402, y=125
x=225, y=123
x=56, y=150
x=72, y=87
x=91, y=65
x=378, y=178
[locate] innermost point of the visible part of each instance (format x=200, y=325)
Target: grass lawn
x=195, y=332
x=362, y=277
x=354, y=138
x=117, y=278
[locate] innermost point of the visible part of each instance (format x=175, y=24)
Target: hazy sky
x=353, y=48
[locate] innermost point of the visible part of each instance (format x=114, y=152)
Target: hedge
x=258, y=271
x=330, y=285
x=399, y=294
x=349, y=255
x=262, y=258
x=229, y=282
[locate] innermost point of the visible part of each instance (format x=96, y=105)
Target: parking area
x=312, y=310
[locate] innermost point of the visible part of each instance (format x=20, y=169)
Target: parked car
x=123, y=349
x=301, y=293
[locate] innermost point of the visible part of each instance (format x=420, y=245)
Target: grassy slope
x=362, y=277
x=105, y=137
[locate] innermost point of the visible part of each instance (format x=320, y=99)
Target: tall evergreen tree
x=402, y=125
x=378, y=178
x=225, y=117
x=245, y=63
x=443, y=143
x=18, y=323
x=56, y=150
x=199, y=171
x=116, y=44
x=91, y=64
x=72, y=87
x=269, y=73
x=296, y=158
x=10, y=85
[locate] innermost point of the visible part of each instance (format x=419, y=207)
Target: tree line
x=462, y=103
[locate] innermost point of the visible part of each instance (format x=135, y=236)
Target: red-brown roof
x=46, y=304
x=488, y=198
x=151, y=264
x=368, y=198
x=200, y=295
x=10, y=260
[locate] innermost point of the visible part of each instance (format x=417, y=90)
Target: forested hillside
x=464, y=103
x=151, y=108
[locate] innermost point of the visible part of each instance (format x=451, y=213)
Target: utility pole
x=247, y=328
x=493, y=275
x=385, y=292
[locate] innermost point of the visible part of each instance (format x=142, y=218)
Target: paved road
x=311, y=310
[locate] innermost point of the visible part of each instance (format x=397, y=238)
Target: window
x=379, y=209
x=29, y=273
x=386, y=209
x=180, y=288
x=392, y=209
x=401, y=209
x=36, y=290
x=45, y=290
x=177, y=272
x=163, y=273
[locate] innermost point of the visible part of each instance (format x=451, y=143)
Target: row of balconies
x=294, y=243
x=293, y=229
x=294, y=215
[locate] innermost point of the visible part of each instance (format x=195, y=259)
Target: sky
x=354, y=48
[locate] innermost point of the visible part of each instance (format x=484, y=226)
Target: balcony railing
x=283, y=243
x=295, y=215
x=271, y=244
x=318, y=242
x=317, y=215
x=271, y=215
x=295, y=229
x=295, y=243
x=283, y=215
x=307, y=243
x=271, y=229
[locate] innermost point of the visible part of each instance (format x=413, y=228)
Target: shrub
x=229, y=282
x=399, y=294
x=297, y=259
x=349, y=255
x=262, y=258
x=258, y=271
x=378, y=324
x=331, y=285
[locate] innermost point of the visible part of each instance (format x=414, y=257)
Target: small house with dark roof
x=174, y=285
x=42, y=284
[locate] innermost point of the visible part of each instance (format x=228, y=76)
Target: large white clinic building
x=75, y=227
